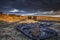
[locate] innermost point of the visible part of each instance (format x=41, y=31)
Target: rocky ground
x=8, y=32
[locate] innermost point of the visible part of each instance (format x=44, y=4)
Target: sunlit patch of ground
x=8, y=31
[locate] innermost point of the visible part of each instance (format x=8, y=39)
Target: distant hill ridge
x=14, y=18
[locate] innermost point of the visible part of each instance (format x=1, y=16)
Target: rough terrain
x=8, y=32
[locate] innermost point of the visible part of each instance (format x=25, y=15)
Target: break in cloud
x=30, y=6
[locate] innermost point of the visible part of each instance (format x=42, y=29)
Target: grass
x=9, y=30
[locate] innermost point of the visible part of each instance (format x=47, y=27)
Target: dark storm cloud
x=30, y=4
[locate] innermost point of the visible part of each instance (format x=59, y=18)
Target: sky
x=29, y=6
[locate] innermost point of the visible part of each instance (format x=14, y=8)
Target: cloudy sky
x=29, y=6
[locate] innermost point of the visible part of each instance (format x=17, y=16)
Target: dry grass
x=9, y=32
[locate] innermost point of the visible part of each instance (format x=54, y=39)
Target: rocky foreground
x=8, y=31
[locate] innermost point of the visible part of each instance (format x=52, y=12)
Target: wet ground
x=8, y=32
